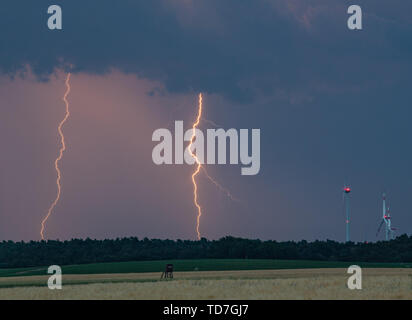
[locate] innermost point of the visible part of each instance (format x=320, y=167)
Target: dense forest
x=76, y=251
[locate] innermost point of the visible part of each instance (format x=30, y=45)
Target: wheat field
x=264, y=284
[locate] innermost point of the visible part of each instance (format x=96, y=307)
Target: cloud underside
x=239, y=49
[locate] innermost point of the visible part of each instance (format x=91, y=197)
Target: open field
x=211, y=279
x=198, y=265
x=392, y=283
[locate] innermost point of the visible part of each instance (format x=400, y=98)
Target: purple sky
x=332, y=105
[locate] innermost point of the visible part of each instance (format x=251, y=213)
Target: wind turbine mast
x=346, y=193
x=385, y=217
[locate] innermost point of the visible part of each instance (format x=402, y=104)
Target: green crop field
x=194, y=265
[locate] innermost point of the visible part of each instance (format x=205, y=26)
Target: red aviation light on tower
x=347, y=189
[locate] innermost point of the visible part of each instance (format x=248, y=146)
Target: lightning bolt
x=212, y=123
x=217, y=184
x=199, y=166
x=220, y=187
x=56, y=163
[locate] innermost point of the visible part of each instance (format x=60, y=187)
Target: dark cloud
x=331, y=104
x=235, y=48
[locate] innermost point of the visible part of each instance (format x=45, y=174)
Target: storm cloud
x=332, y=105
x=237, y=48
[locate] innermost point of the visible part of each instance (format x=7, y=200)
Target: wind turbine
x=386, y=220
x=346, y=197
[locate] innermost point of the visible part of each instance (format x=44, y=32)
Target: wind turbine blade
x=380, y=227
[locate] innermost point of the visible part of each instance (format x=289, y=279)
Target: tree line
x=80, y=251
